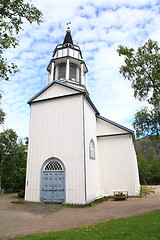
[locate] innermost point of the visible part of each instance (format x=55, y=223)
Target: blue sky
x=98, y=27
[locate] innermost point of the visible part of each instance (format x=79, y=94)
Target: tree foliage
x=147, y=122
x=142, y=68
x=12, y=15
x=2, y=114
x=12, y=161
x=12, y=154
x=148, y=155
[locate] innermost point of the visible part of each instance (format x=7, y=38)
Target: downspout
x=84, y=149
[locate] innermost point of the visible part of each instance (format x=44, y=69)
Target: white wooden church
x=74, y=154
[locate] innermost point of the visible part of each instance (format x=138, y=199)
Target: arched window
x=53, y=165
x=72, y=72
x=92, y=149
x=62, y=71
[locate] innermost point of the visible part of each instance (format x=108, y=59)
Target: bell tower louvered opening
x=72, y=72
x=62, y=71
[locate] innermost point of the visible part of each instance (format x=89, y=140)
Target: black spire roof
x=68, y=37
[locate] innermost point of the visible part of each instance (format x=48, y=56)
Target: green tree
x=20, y=166
x=143, y=166
x=148, y=160
x=12, y=15
x=155, y=171
x=154, y=166
x=8, y=144
x=2, y=114
x=142, y=68
x=12, y=161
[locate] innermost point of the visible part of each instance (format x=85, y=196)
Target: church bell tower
x=67, y=64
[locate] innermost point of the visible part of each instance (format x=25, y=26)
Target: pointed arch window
x=92, y=149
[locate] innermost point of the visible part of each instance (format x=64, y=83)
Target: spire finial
x=68, y=37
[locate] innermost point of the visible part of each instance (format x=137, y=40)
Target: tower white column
x=82, y=73
x=56, y=73
x=52, y=71
x=77, y=74
x=86, y=80
x=48, y=78
x=67, y=69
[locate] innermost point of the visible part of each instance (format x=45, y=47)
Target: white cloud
x=98, y=27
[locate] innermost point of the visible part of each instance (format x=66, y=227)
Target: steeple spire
x=68, y=37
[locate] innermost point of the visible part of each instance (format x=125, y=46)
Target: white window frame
x=92, y=154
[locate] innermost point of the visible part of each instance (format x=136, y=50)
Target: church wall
x=92, y=167
x=105, y=128
x=118, y=165
x=56, y=130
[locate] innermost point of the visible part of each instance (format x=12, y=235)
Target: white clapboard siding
x=105, y=128
x=92, y=165
x=118, y=165
x=56, y=130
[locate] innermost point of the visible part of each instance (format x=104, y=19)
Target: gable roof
x=49, y=85
x=116, y=125
x=79, y=91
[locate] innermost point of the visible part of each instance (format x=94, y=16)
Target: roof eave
x=92, y=104
x=116, y=124
x=57, y=82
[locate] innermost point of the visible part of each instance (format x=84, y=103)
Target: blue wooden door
x=53, y=183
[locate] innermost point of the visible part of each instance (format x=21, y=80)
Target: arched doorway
x=53, y=181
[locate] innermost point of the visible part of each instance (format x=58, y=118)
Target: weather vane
x=68, y=25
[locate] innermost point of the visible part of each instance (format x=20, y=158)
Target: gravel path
x=32, y=218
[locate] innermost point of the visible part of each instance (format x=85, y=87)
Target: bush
x=21, y=194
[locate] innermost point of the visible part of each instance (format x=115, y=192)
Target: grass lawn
x=142, y=227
